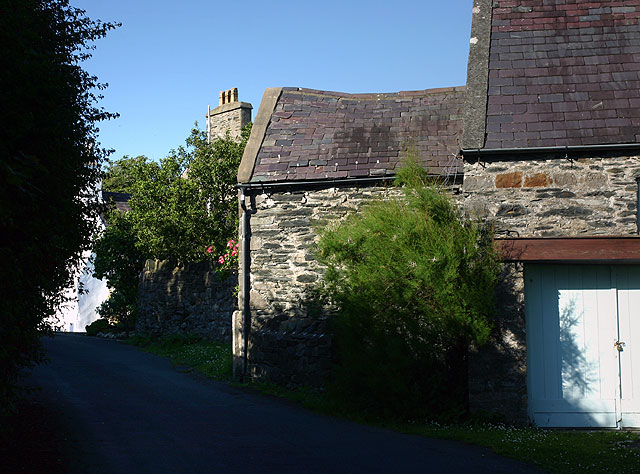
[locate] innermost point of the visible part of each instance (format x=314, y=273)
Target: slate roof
x=314, y=135
x=119, y=200
x=563, y=73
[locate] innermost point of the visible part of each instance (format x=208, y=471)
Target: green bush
x=413, y=284
x=99, y=325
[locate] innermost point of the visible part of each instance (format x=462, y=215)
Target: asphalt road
x=126, y=411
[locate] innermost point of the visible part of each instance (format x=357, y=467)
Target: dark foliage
x=49, y=167
x=118, y=177
x=98, y=326
x=412, y=281
x=119, y=261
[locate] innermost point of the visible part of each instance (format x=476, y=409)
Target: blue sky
x=170, y=59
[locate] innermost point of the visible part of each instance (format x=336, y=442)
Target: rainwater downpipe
x=638, y=206
x=244, y=231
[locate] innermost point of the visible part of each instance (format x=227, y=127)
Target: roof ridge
x=368, y=95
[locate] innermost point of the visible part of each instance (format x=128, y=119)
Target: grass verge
x=213, y=359
x=555, y=451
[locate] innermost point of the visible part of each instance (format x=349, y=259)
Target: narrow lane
x=127, y=411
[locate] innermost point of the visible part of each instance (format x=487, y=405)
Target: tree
x=412, y=281
x=179, y=207
x=118, y=177
x=49, y=168
x=188, y=201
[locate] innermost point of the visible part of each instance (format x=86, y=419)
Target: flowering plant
x=229, y=260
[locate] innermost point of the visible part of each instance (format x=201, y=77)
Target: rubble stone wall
x=556, y=196
x=288, y=341
x=189, y=298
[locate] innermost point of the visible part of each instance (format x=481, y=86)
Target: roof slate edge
x=116, y=196
x=475, y=111
x=258, y=131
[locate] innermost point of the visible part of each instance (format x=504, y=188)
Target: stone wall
x=555, y=196
x=288, y=342
x=188, y=298
x=551, y=196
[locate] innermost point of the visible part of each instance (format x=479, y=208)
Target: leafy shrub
x=413, y=284
x=98, y=326
x=188, y=201
x=119, y=261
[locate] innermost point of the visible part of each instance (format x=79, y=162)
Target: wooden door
x=628, y=285
x=572, y=366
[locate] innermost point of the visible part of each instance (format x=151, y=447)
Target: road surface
x=126, y=411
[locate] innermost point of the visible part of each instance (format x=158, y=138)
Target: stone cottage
x=544, y=142
x=316, y=155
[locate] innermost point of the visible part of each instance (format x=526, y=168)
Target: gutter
x=471, y=152
x=309, y=184
x=337, y=182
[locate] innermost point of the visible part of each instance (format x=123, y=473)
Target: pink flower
x=230, y=243
x=220, y=259
x=234, y=252
x=210, y=249
x=226, y=256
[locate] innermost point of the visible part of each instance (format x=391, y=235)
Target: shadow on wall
x=291, y=346
x=190, y=298
x=497, y=370
x=577, y=373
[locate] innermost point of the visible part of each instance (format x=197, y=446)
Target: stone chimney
x=230, y=115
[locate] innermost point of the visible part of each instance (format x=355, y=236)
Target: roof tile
x=580, y=58
x=315, y=134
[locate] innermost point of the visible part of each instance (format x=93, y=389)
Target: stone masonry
x=288, y=342
x=546, y=196
x=581, y=196
x=186, y=299
x=552, y=196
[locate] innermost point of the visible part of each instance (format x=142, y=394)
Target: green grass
x=213, y=359
x=556, y=451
